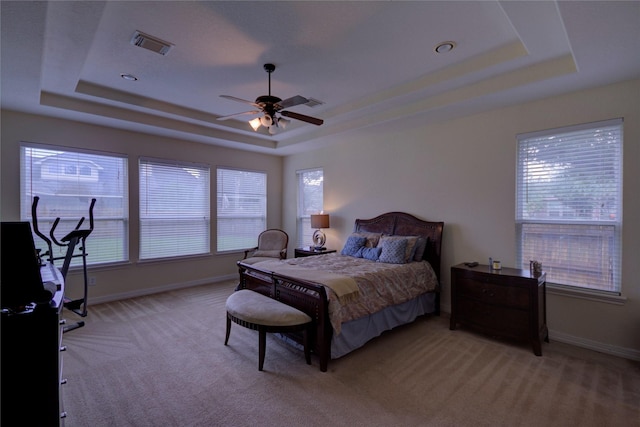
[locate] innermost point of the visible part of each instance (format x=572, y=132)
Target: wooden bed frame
x=311, y=298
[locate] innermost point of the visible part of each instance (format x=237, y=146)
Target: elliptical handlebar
x=93, y=203
x=34, y=218
x=74, y=233
x=53, y=229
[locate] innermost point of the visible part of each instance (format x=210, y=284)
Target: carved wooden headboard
x=404, y=224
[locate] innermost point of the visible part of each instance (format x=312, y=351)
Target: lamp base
x=319, y=239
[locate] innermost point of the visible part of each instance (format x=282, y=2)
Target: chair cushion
x=256, y=259
x=275, y=253
x=259, y=309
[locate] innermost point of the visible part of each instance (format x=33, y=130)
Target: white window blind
x=242, y=208
x=65, y=180
x=310, y=201
x=174, y=209
x=569, y=204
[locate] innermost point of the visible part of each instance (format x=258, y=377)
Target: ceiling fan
x=272, y=108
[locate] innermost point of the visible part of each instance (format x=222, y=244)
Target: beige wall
x=135, y=278
x=462, y=172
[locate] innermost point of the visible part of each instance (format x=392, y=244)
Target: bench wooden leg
x=262, y=343
x=305, y=343
x=226, y=339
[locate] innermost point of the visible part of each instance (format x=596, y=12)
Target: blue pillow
x=393, y=251
x=369, y=253
x=418, y=249
x=353, y=245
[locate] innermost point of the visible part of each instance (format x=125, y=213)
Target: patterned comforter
x=380, y=284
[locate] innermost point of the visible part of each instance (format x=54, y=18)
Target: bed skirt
x=357, y=332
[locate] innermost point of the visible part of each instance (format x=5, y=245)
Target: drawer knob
x=486, y=292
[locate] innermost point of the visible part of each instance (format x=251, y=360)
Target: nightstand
x=302, y=252
x=509, y=303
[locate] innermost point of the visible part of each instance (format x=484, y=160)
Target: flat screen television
x=21, y=282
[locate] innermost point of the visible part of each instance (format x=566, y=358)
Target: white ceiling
x=367, y=61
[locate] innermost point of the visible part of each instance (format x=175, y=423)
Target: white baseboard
x=627, y=353
x=158, y=289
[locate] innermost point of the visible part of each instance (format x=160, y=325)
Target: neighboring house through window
x=242, y=208
x=65, y=180
x=569, y=204
x=175, y=218
x=310, y=201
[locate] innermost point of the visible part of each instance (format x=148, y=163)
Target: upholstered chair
x=272, y=244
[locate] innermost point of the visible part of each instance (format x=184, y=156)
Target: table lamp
x=319, y=221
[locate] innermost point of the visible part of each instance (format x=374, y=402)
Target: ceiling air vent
x=313, y=102
x=151, y=43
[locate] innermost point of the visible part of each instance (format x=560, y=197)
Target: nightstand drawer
x=493, y=319
x=513, y=296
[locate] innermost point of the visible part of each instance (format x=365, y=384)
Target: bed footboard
x=308, y=297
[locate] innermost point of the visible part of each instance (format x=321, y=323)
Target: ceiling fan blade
x=290, y=102
x=302, y=117
x=239, y=114
x=233, y=98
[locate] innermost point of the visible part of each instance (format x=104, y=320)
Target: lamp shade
x=282, y=122
x=255, y=123
x=320, y=221
x=266, y=120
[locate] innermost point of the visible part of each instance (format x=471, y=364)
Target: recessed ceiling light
x=129, y=77
x=445, y=47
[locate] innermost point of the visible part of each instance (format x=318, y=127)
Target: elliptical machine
x=71, y=240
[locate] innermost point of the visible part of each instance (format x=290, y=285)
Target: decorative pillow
x=369, y=253
x=393, y=251
x=411, y=243
x=353, y=244
x=273, y=253
x=419, y=248
x=372, y=238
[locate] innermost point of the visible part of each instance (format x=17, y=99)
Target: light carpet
x=160, y=360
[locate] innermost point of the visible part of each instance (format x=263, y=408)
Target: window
x=65, y=180
x=242, y=208
x=174, y=209
x=310, y=201
x=569, y=204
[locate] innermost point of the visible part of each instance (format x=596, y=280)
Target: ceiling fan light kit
x=271, y=106
x=255, y=123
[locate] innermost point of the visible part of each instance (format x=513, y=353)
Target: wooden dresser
x=508, y=303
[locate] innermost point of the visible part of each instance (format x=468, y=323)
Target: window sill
x=176, y=258
x=591, y=295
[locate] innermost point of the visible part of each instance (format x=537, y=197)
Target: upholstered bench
x=263, y=314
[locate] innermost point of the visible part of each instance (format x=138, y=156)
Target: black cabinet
x=32, y=363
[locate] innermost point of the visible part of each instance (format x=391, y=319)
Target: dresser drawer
x=493, y=319
x=513, y=296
